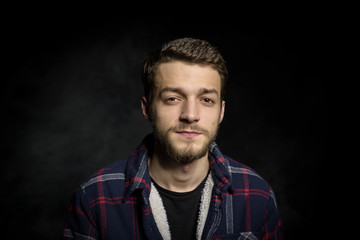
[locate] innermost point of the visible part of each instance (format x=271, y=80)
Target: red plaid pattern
x=114, y=202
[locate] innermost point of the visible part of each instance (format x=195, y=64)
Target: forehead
x=187, y=76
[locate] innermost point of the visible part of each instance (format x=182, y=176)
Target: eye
x=208, y=101
x=172, y=100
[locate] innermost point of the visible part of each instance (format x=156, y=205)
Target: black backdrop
x=71, y=93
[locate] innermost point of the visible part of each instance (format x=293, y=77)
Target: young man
x=177, y=184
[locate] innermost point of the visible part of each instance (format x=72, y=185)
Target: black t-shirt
x=182, y=210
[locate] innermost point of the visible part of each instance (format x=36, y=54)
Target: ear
x=222, y=111
x=145, y=108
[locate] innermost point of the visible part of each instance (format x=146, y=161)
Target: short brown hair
x=183, y=49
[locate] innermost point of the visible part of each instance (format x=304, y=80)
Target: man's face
x=186, y=109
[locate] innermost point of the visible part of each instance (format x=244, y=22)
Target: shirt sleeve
x=79, y=222
x=272, y=228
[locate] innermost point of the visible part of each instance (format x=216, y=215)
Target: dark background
x=71, y=94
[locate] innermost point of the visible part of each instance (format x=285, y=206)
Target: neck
x=176, y=177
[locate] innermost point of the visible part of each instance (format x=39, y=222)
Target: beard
x=188, y=153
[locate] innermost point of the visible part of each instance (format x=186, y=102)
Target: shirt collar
x=219, y=168
x=137, y=175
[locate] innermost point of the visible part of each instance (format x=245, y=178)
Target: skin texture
x=185, y=113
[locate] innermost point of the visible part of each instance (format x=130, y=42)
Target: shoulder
x=244, y=177
x=105, y=179
x=246, y=182
x=253, y=196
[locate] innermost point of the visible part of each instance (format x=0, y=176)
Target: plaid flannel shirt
x=114, y=202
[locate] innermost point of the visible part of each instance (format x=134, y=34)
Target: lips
x=188, y=134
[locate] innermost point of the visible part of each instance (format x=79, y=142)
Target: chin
x=191, y=149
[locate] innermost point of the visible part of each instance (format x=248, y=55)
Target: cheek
x=214, y=125
x=213, y=116
x=165, y=116
x=168, y=112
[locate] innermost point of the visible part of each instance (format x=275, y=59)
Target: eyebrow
x=182, y=91
x=206, y=90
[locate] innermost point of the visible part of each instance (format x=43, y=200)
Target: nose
x=190, y=112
